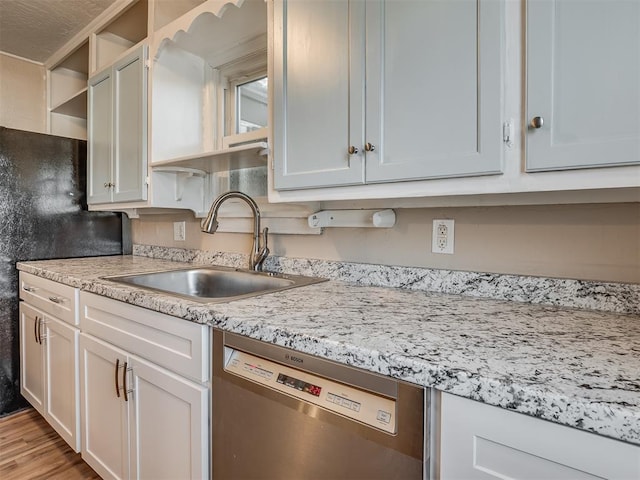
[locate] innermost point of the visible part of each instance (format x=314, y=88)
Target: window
x=245, y=106
x=251, y=106
x=243, y=118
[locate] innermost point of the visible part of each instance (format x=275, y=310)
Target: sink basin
x=214, y=284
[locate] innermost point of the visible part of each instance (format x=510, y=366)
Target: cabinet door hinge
x=507, y=133
x=147, y=180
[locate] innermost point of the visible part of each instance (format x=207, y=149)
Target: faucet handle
x=264, y=250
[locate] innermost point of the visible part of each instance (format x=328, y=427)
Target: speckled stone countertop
x=574, y=367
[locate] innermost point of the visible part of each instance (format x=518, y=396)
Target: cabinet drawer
x=56, y=299
x=178, y=345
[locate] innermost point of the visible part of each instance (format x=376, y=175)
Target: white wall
x=23, y=103
x=590, y=242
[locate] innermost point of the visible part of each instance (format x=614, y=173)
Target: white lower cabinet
x=169, y=426
x=105, y=414
x=49, y=370
x=31, y=358
x=154, y=431
x=61, y=379
x=139, y=420
x=479, y=441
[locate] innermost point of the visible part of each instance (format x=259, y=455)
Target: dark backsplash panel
x=43, y=214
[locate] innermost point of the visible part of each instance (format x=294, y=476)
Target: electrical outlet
x=442, y=236
x=179, y=231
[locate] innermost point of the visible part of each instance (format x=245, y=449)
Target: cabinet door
x=130, y=127
x=31, y=358
x=99, y=136
x=479, y=441
x=583, y=80
x=169, y=424
x=318, y=93
x=105, y=444
x=61, y=376
x=433, y=105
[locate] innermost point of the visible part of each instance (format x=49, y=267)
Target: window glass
x=251, y=105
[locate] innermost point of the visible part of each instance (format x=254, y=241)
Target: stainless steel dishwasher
x=280, y=414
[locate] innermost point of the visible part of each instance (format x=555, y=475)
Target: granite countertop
x=574, y=367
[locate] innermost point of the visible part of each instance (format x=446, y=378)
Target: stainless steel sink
x=214, y=284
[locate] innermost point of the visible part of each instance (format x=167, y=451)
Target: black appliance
x=43, y=215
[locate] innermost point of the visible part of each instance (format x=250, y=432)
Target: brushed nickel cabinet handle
x=39, y=331
x=27, y=288
x=35, y=329
x=117, y=386
x=124, y=382
x=56, y=299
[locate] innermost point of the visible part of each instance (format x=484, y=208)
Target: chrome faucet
x=259, y=252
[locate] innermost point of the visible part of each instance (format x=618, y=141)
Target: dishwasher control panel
x=369, y=408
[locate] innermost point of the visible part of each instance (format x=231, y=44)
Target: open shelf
x=235, y=158
x=68, y=79
x=76, y=106
x=125, y=31
x=193, y=56
x=180, y=170
x=68, y=94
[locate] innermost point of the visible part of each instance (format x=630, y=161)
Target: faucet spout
x=259, y=250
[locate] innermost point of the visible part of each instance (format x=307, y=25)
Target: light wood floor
x=31, y=449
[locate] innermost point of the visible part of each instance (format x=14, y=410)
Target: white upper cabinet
x=433, y=88
x=130, y=127
x=100, y=128
x=318, y=93
x=183, y=115
x=432, y=75
x=432, y=100
x=583, y=83
x=118, y=131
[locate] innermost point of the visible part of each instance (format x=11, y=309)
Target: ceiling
x=35, y=29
